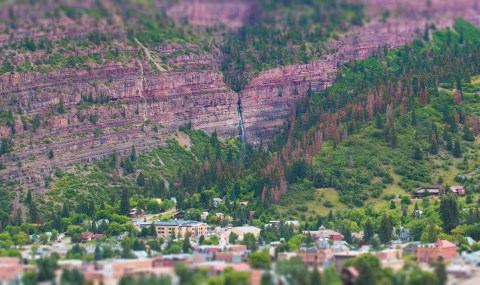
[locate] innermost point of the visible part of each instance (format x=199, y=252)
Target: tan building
x=179, y=228
x=242, y=231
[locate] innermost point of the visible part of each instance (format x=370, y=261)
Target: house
x=275, y=224
x=429, y=191
x=295, y=224
x=433, y=251
x=410, y=248
x=219, y=216
x=404, y=235
x=243, y=204
x=86, y=236
x=204, y=216
x=458, y=190
x=418, y=213
x=216, y=201
x=179, y=216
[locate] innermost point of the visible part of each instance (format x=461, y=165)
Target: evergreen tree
x=152, y=230
x=441, y=271
x=449, y=212
x=368, y=232
x=457, y=151
x=98, y=255
x=140, y=180
x=61, y=107
x=50, y=154
x=34, y=217
x=418, y=153
x=433, y=147
x=65, y=212
x=315, y=277
x=133, y=154
x=414, y=118
x=186, y=243
x=448, y=140
x=386, y=229
x=468, y=134
x=125, y=203
x=431, y=233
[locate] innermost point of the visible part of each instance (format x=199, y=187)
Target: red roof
x=444, y=243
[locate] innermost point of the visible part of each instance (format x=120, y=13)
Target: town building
x=87, y=236
x=179, y=228
x=433, y=251
x=458, y=190
x=429, y=191
x=404, y=235
x=11, y=270
x=216, y=201
x=325, y=233
x=242, y=231
x=295, y=224
x=112, y=271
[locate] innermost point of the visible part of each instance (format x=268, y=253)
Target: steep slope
x=105, y=95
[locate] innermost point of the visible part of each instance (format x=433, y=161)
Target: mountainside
x=71, y=95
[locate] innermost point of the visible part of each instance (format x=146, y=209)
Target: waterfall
x=241, y=127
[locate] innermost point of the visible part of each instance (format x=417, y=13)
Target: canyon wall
x=147, y=102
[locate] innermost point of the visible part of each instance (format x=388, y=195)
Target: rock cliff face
x=273, y=93
x=141, y=102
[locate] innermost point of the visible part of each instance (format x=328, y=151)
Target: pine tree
x=368, y=232
x=316, y=277
x=426, y=33
x=431, y=233
x=433, y=147
x=457, y=151
x=414, y=118
x=418, y=153
x=468, y=134
x=386, y=229
x=448, y=140
x=133, y=154
x=140, y=180
x=125, y=203
x=65, y=211
x=449, y=212
x=50, y=154
x=441, y=271
x=61, y=107
x=98, y=255
x=186, y=244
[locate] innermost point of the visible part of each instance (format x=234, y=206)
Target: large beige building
x=180, y=228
